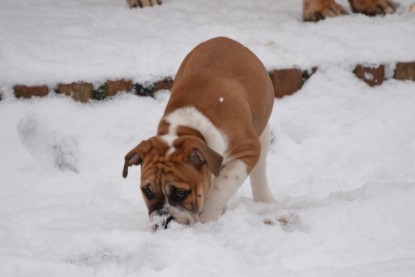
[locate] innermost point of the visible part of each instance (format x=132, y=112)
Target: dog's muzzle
x=161, y=219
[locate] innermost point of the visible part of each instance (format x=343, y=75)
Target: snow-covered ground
x=342, y=163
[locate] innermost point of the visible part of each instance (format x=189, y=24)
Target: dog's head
x=174, y=181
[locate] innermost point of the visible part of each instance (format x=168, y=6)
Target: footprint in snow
x=289, y=223
x=47, y=146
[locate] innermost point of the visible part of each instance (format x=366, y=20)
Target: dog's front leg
x=224, y=186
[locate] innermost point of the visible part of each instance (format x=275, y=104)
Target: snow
x=342, y=161
x=65, y=41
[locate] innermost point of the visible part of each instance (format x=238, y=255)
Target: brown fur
x=220, y=85
x=373, y=7
x=160, y=171
x=315, y=10
x=230, y=86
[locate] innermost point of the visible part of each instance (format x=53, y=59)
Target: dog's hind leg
x=258, y=176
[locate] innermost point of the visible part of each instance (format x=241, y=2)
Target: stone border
x=85, y=91
x=286, y=82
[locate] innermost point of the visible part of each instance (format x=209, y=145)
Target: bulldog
x=214, y=133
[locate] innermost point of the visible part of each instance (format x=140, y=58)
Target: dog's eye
x=148, y=193
x=180, y=194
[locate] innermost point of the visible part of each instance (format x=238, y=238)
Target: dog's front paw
x=373, y=7
x=143, y=3
x=315, y=10
x=268, y=199
x=211, y=214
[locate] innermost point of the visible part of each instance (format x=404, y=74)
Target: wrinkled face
x=174, y=189
x=174, y=184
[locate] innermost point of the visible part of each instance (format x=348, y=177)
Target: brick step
x=285, y=81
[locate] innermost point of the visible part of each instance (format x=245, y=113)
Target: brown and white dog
x=213, y=134
x=315, y=10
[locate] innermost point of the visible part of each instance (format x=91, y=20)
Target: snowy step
x=286, y=82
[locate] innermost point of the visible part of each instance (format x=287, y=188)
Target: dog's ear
x=201, y=154
x=135, y=156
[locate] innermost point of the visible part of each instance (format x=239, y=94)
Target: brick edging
x=286, y=82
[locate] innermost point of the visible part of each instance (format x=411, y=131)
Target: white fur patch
x=259, y=182
x=224, y=186
x=191, y=117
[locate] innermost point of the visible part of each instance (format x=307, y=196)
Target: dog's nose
x=162, y=212
x=164, y=218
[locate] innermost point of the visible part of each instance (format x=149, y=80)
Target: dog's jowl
x=214, y=134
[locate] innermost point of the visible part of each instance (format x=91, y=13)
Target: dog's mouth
x=163, y=223
x=161, y=219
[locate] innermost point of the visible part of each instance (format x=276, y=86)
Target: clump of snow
x=159, y=222
x=342, y=163
x=368, y=76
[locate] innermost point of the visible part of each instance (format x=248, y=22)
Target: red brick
x=81, y=92
x=286, y=81
x=166, y=83
x=29, y=91
x=405, y=71
x=372, y=76
x=111, y=88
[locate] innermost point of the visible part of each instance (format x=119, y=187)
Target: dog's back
x=222, y=69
